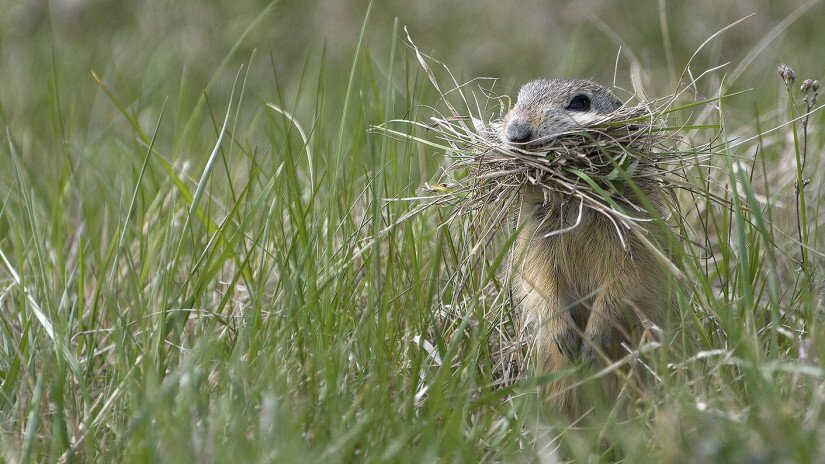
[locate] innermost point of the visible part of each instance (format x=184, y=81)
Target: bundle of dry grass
x=597, y=167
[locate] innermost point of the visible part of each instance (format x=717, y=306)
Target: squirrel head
x=546, y=108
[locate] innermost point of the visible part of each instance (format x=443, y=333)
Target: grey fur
x=540, y=112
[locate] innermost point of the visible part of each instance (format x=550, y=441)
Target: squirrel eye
x=579, y=103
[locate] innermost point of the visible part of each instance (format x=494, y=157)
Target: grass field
x=205, y=255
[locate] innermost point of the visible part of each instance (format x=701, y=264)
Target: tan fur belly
x=585, y=296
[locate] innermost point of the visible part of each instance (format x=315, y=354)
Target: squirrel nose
x=518, y=131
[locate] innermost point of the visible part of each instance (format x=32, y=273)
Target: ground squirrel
x=582, y=290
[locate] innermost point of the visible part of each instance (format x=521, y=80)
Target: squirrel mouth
x=534, y=145
x=521, y=136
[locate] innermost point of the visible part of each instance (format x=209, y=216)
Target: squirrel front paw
x=596, y=343
x=568, y=342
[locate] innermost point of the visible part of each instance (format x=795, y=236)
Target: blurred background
x=145, y=49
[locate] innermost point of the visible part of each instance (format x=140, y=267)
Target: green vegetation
x=205, y=255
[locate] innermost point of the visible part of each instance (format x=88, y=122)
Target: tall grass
x=196, y=279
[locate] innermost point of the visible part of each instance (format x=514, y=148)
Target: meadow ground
x=205, y=255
